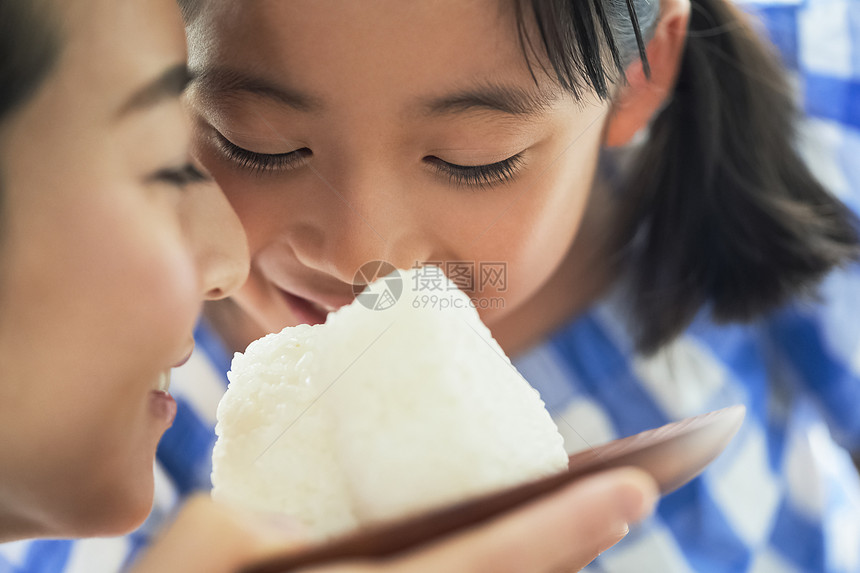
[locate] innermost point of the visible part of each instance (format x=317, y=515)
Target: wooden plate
x=673, y=454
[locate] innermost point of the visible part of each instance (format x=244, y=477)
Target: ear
x=642, y=98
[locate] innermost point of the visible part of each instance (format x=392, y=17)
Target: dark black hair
x=189, y=9
x=719, y=210
x=29, y=48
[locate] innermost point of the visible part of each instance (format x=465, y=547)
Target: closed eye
x=181, y=176
x=261, y=162
x=479, y=176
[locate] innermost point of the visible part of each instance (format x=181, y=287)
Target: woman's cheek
x=177, y=294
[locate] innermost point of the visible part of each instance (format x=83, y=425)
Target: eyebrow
x=491, y=97
x=169, y=85
x=227, y=81
x=511, y=100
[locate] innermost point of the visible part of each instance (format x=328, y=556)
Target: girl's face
x=108, y=249
x=349, y=131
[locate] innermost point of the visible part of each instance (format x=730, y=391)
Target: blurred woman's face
x=110, y=242
x=346, y=131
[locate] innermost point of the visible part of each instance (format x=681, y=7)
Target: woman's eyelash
x=262, y=162
x=182, y=176
x=497, y=173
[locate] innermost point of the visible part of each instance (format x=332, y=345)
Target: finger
x=563, y=532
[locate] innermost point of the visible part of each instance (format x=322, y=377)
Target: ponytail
x=721, y=209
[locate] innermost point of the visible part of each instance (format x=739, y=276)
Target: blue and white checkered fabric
x=820, y=42
x=783, y=498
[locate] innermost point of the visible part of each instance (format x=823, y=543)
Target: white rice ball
x=378, y=414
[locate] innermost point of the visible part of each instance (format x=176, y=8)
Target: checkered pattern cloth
x=783, y=498
x=819, y=41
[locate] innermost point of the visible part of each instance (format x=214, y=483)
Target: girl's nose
x=366, y=222
x=219, y=242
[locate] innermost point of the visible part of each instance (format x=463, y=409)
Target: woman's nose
x=219, y=242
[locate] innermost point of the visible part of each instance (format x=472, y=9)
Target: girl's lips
x=305, y=311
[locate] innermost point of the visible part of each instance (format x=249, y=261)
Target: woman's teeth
x=164, y=381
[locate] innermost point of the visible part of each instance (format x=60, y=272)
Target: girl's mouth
x=304, y=310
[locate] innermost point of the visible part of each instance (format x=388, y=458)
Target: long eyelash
x=480, y=175
x=182, y=176
x=261, y=162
